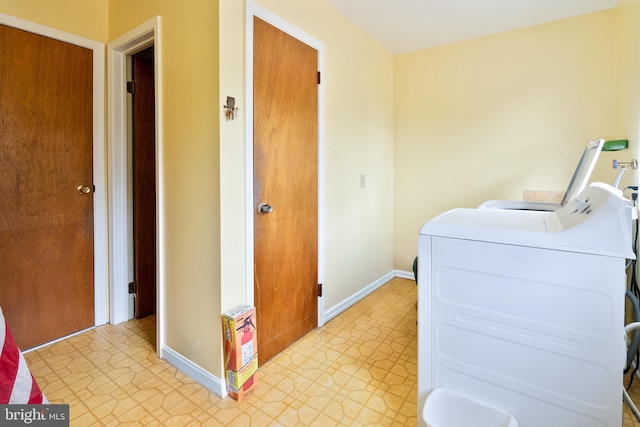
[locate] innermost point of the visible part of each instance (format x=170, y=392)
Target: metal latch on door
x=265, y=208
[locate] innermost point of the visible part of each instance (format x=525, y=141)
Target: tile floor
x=358, y=369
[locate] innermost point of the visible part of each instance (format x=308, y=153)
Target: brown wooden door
x=286, y=177
x=46, y=224
x=144, y=184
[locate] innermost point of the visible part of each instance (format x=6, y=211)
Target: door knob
x=265, y=208
x=84, y=189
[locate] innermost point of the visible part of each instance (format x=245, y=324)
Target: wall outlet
x=363, y=182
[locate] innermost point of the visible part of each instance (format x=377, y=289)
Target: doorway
x=285, y=272
x=46, y=225
x=50, y=130
x=121, y=51
x=141, y=89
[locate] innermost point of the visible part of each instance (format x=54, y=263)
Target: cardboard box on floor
x=240, y=350
x=240, y=337
x=237, y=378
x=242, y=392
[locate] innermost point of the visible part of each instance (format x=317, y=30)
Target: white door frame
x=99, y=164
x=253, y=9
x=137, y=39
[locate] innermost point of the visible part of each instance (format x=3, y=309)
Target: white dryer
x=524, y=310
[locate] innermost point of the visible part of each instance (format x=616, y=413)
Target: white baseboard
x=219, y=387
x=195, y=372
x=345, y=304
x=404, y=274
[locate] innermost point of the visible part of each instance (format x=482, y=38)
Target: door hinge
x=318, y=77
x=319, y=289
x=133, y=288
x=131, y=87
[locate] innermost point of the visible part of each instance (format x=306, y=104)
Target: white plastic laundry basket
x=445, y=408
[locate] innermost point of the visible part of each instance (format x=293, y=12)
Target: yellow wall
x=628, y=85
x=191, y=169
x=358, y=140
x=232, y=157
x=204, y=159
x=203, y=154
x=83, y=18
x=471, y=121
x=190, y=156
x=493, y=116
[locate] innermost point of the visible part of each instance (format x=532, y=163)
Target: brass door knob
x=84, y=189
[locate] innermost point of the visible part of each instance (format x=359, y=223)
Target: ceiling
x=408, y=25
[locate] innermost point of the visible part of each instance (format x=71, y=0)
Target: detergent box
x=246, y=388
x=239, y=334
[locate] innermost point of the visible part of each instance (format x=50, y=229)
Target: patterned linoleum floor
x=358, y=369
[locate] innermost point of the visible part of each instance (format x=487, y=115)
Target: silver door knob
x=84, y=189
x=265, y=208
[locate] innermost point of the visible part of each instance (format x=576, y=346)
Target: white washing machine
x=524, y=310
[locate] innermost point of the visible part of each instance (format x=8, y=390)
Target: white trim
x=345, y=304
x=195, y=372
x=133, y=41
x=99, y=161
x=362, y=293
x=218, y=386
x=404, y=274
x=248, y=161
x=253, y=9
x=47, y=344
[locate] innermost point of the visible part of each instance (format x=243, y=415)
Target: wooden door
x=285, y=177
x=46, y=187
x=144, y=184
